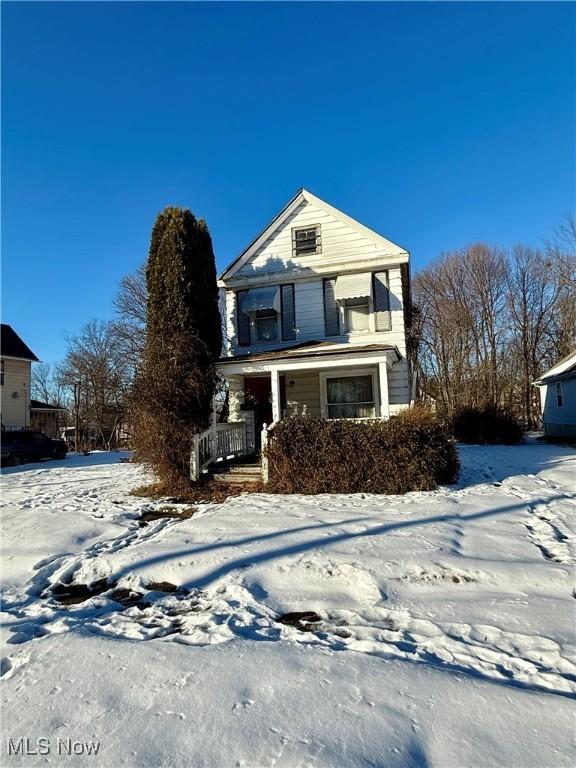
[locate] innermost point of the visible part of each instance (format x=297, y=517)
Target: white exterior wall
x=16, y=410
x=309, y=305
x=341, y=242
x=303, y=393
x=344, y=249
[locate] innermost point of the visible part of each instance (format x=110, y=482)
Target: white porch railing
x=217, y=443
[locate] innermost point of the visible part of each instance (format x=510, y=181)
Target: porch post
x=275, y=387
x=384, y=398
x=213, y=434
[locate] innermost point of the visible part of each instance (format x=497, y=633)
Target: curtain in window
x=357, y=315
x=350, y=397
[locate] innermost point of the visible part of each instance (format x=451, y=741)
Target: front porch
x=325, y=380
x=322, y=380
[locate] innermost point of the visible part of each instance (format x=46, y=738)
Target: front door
x=258, y=394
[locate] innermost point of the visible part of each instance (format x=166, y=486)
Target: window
x=559, y=398
x=357, y=314
x=2, y=372
x=266, y=322
x=350, y=397
x=306, y=240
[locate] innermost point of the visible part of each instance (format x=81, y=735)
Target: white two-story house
x=315, y=320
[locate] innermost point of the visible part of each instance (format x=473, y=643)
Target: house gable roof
x=11, y=345
x=304, y=196
x=565, y=368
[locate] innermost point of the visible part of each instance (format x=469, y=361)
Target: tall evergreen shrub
x=174, y=387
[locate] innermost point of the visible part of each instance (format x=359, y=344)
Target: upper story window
x=265, y=314
x=356, y=303
x=354, y=294
x=559, y=398
x=266, y=325
x=306, y=240
x=357, y=314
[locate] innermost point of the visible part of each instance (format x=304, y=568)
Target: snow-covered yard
x=445, y=635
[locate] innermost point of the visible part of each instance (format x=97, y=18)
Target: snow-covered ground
x=446, y=632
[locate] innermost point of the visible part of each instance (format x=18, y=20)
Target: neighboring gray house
x=558, y=398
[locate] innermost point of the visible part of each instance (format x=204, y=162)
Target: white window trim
x=371, y=319
x=559, y=392
x=335, y=373
x=254, y=330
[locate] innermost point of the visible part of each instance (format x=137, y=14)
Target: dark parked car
x=26, y=445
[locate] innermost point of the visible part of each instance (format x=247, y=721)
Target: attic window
x=306, y=240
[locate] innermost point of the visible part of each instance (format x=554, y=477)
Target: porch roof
x=37, y=405
x=310, y=349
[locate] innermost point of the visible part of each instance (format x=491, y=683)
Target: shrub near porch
x=411, y=452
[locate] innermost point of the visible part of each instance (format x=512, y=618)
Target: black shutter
x=242, y=320
x=331, y=310
x=382, y=301
x=288, y=315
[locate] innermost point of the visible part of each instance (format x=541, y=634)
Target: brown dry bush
x=487, y=425
x=410, y=452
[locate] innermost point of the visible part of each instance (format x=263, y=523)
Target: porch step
x=236, y=479
x=246, y=472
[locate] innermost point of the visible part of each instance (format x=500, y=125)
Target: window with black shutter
x=331, y=309
x=288, y=313
x=242, y=320
x=381, y=296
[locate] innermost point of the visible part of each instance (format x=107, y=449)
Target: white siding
x=303, y=393
x=340, y=242
x=309, y=301
x=343, y=247
x=16, y=410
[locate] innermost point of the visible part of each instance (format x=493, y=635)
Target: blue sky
x=436, y=124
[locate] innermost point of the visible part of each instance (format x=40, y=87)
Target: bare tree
x=491, y=322
x=130, y=305
x=98, y=375
x=48, y=385
x=534, y=290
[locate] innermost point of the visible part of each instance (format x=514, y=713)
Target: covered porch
x=323, y=380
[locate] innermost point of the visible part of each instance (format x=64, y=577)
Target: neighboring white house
x=558, y=398
x=315, y=323
x=15, y=378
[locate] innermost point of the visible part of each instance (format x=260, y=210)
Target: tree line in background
x=486, y=322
